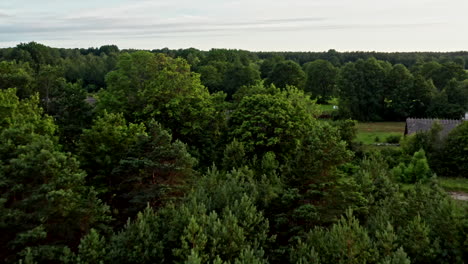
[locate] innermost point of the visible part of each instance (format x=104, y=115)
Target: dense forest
x=226, y=156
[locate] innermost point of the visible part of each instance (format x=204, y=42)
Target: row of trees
x=367, y=89
x=89, y=66
x=392, y=87
x=375, y=90
x=156, y=168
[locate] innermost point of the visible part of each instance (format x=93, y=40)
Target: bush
x=453, y=159
x=393, y=139
x=417, y=170
x=345, y=242
x=430, y=141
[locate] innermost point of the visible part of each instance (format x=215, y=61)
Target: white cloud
x=254, y=24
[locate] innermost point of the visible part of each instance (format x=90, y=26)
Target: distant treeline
x=338, y=58
x=370, y=86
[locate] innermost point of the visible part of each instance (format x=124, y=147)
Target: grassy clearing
x=376, y=132
x=454, y=184
x=326, y=108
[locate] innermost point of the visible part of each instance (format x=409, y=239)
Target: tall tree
x=147, y=86
x=421, y=96
x=133, y=165
x=453, y=159
x=17, y=75
x=398, y=101
x=287, y=73
x=103, y=146
x=362, y=86
x=239, y=75
x=212, y=75
x=47, y=82
x=268, y=64
x=71, y=111
x=321, y=80
x=44, y=202
x=274, y=121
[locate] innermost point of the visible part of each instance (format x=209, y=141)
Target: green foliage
x=441, y=73
x=37, y=53
x=393, y=139
x=415, y=239
x=374, y=181
x=92, y=249
x=398, y=257
x=386, y=241
x=103, y=145
x=429, y=225
x=347, y=129
x=272, y=122
x=454, y=184
x=44, y=199
x=453, y=158
x=345, y=242
x=132, y=165
x=321, y=151
x=364, y=190
x=212, y=75
x=421, y=96
x=152, y=171
x=430, y=141
x=47, y=82
x=398, y=99
x=417, y=169
x=17, y=75
x=362, y=87
x=267, y=65
x=304, y=254
x=455, y=97
x=139, y=242
x=147, y=86
x=239, y=75
x=239, y=228
x=217, y=223
x=258, y=88
x=321, y=79
x=234, y=155
x=287, y=181
x=216, y=189
x=227, y=74
x=71, y=112
x=287, y=73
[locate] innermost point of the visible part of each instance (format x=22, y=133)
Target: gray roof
x=414, y=125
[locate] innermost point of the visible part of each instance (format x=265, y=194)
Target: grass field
x=369, y=133
x=454, y=184
x=326, y=108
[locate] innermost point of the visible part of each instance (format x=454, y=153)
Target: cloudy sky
x=293, y=25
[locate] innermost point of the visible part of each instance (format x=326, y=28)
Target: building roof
x=414, y=125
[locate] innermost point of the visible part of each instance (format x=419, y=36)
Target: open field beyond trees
x=454, y=184
x=377, y=132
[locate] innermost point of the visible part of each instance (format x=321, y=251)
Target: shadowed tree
x=44, y=202
x=321, y=80
x=287, y=73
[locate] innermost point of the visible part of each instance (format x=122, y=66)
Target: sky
x=256, y=25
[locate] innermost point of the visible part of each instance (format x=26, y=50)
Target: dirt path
x=459, y=196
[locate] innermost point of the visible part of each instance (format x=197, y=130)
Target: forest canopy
x=227, y=156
